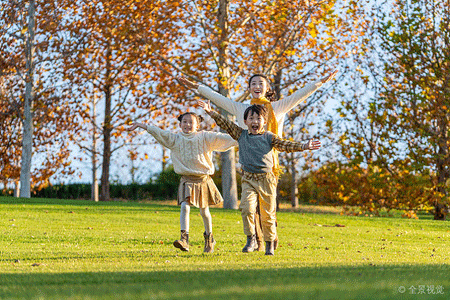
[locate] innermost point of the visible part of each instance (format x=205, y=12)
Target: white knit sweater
x=191, y=153
x=280, y=108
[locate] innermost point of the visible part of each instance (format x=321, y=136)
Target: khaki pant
x=266, y=188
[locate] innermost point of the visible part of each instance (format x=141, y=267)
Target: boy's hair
x=199, y=118
x=260, y=110
x=270, y=94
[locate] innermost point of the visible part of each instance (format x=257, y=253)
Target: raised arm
x=235, y=108
x=232, y=129
x=285, y=105
x=219, y=142
x=284, y=145
x=164, y=137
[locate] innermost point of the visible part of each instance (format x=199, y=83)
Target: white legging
x=184, y=217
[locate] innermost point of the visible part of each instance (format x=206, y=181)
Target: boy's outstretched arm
x=232, y=129
x=290, y=146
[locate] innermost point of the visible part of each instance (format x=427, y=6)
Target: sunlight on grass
x=53, y=249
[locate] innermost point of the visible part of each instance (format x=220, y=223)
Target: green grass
x=53, y=249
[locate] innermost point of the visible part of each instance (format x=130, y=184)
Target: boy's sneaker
x=251, y=244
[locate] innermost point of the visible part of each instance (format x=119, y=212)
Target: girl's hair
x=260, y=110
x=270, y=94
x=199, y=118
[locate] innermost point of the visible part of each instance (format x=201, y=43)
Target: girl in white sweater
x=191, y=154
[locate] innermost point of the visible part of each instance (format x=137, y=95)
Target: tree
x=406, y=136
x=225, y=40
x=31, y=96
x=106, y=58
x=27, y=137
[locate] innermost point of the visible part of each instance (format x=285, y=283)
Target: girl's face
x=255, y=123
x=189, y=124
x=258, y=87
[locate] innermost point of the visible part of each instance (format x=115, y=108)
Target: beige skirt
x=199, y=191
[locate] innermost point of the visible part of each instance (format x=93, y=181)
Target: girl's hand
x=313, y=145
x=188, y=83
x=329, y=77
x=134, y=126
x=205, y=105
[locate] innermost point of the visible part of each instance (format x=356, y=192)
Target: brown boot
x=251, y=244
x=269, y=248
x=183, y=242
x=209, y=242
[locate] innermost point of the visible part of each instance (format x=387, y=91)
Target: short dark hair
x=260, y=110
x=199, y=118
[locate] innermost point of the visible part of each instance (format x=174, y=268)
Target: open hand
x=314, y=144
x=329, y=77
x=134, y=126
x=205, y=105
x=189, y=84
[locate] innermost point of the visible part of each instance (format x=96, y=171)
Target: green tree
x=403, y=128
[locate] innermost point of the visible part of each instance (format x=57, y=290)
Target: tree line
x=75, y=73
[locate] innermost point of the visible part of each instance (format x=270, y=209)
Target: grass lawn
x=54, y=249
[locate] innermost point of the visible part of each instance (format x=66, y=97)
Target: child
x=261, y=93
x=191, y=154
x=258, y=179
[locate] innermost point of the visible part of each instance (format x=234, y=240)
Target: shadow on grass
x=343, y=282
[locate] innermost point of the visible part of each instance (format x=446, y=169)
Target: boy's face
x=189, y=124
x=255, y=123
x=258, y=87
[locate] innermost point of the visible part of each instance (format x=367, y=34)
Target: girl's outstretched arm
x=164, y=137
x=189, y=84
x=136, y=125
x=285, y=105
x=329, y=77
x=235, y=108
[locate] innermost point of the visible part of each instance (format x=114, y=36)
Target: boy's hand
x=329, y=77
x=313, y=145
x=188, y=83
x=205, y=105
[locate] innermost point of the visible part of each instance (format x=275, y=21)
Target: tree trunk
x=94, y=187
x=17, y=189
x=229, y=186
x=441, y=209
x=27, y=139
x=107, y=128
